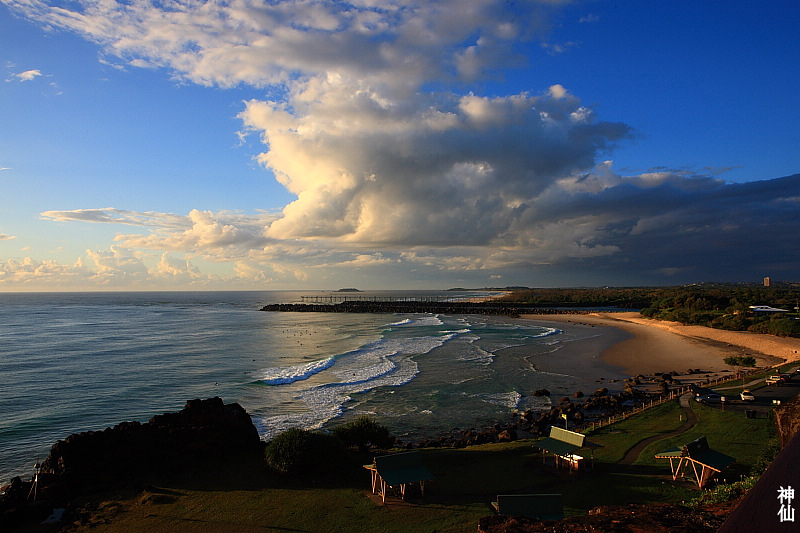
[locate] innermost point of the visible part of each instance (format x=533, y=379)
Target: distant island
x=348, y=290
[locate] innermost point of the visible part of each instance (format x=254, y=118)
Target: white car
x=747, y=396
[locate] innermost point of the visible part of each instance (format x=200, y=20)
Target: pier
x=338, y=298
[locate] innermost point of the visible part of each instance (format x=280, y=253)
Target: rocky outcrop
x=787, y=418
x=203, y=434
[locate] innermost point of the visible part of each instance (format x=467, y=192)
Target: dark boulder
x=507, y=435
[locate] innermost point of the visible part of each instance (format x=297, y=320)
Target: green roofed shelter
x=398, y=470
x=705, y=461
x=564, y=444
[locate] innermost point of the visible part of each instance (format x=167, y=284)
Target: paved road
x=764, y=395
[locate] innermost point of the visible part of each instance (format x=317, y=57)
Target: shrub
x=784, y=327
x=364, y=433
x=725, y=492
x=731, y=322
x=740, y=360
x=769, y=453
x=649, y=312
x=298, y=451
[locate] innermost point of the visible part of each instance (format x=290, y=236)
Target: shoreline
x=658, y=346
x=629, y=350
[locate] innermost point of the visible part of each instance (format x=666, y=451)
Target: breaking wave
x=290, y=374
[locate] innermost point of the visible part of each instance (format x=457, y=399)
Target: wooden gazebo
x=705, y=461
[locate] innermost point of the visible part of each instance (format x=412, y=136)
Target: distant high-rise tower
x=766, y=281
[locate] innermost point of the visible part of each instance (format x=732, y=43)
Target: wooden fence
x=673, y=394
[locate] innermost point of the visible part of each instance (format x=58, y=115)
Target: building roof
x=564, y=442
x=766, y=309
x=699, y=452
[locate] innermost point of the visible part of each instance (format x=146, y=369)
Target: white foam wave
x=509, y=399
x=290, y=374
x=385, y=363
x=476, y=355
x=365, y=374
x=424, y=320
x=548, y=332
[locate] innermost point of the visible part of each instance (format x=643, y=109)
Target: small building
x=564, y=444
x=766, y=310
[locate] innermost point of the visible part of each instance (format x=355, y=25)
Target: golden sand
x=660, y=346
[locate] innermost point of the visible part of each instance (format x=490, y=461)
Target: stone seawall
x=456, y=308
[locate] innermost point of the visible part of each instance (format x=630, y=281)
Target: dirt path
x=691, y=419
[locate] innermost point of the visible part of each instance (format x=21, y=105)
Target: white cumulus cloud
x=368, y=117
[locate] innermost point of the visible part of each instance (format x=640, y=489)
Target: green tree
x=301, y=452
x=364, y=433
x=737, y=361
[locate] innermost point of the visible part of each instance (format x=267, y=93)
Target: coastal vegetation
x=301, y=453
x=740, y=360
x=716, y=305
x=363, y=433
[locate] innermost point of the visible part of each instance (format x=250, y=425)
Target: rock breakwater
x=462, y=308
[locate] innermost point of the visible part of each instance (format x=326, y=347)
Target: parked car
x=786, y=377
x=710, y=398
x=747, y=396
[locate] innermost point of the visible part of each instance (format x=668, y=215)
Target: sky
x=397, y=144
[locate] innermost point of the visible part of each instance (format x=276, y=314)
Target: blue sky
x=397, y=144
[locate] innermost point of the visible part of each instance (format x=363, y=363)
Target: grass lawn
x=620, y=437
x=729, y=432
x=253, y=499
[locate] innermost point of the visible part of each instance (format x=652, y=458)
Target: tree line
x=716, y=305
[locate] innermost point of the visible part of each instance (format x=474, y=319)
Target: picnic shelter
x=564, y=445
x=705, y=462
x=398, y=470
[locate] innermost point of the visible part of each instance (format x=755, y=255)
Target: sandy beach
x=658, y=346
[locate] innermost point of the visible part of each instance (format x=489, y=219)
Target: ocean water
x=72, y=362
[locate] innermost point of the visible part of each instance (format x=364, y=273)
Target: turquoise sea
x=72, y=362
